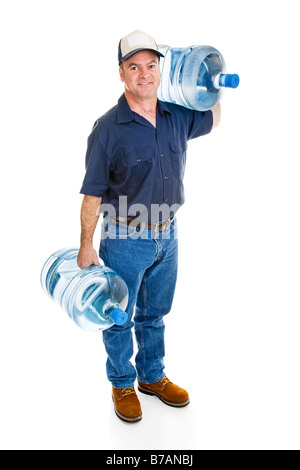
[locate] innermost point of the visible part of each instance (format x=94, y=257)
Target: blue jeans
x=147, y=261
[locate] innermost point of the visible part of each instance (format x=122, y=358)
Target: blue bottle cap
x=232, y=80
x=118, y=316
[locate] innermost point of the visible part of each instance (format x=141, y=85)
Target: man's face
x=141, y=75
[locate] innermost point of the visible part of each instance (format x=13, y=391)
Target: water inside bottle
x=89, y=310
x=88, y=296
x=91, y=300
x=189, y=76
x=198, y=82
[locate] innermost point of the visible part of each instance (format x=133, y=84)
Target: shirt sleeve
x=96, y=180
x=201, y=124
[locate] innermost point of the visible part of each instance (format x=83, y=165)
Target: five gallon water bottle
x=95, y=298
x=194, y=77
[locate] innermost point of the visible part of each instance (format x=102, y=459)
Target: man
x=134, y=171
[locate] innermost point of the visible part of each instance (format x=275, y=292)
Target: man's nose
x=144, y=72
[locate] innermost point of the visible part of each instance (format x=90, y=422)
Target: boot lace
x=127, y=391
x=165, y=381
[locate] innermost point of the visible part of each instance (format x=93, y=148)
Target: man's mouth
x=145, y=83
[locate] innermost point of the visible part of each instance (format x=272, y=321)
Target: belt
x=159, y=227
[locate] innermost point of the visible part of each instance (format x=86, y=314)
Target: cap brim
x=126, y=57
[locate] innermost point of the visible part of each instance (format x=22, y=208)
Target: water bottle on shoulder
x=194, y=77
x=95, y=298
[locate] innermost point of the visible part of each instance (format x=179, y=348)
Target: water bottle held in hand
x=95, y=298
x=194, y=77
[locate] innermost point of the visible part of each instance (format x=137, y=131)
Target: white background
x=233, y=336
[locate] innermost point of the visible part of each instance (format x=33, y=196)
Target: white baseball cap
x=135, y=42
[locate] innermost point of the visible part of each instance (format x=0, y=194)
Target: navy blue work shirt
x=128, y=156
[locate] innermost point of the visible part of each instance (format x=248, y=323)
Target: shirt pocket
x=138, y=165
x=178, y=154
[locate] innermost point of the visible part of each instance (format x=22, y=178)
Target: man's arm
x=90, y=212
x=216, y=115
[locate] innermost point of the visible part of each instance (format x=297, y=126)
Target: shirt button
x=166, y=200
x=166, y=178
x=162, y=155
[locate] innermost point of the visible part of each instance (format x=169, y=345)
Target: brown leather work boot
x=127, y=405
x=167, y=392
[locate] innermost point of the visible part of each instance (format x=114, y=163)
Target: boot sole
x=127, y=419
x=167, y=402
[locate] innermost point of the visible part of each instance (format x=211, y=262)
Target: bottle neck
x=227, y=80
x=112, y=311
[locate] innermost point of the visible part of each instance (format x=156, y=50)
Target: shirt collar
x=126, y=115
x=124, y=112
x=163, y=107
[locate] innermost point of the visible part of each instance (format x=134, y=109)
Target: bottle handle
x=82, y=305
x=101, y=264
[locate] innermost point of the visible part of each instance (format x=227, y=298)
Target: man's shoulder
x=175, y=109
x=195, y=122
x=107, y=119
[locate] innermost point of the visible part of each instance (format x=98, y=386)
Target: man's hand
x=216, y=115
x=86, y=257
